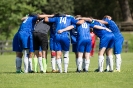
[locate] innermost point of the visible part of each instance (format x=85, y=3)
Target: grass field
x=123, y=79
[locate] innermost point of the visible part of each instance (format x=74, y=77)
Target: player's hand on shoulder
x=60, y=31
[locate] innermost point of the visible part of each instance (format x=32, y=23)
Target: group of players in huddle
x=32, y=36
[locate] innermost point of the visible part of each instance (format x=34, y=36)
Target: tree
x=13, y=10
x=124, y=5
x=63, y=6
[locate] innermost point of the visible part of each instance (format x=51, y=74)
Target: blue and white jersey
x=98, y=32
x=62, y=22
x=83, y=31
x=28, y=24
x=73, y=35
x=113, y=27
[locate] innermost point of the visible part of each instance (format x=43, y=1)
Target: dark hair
x=32, y=14
x=60, y=14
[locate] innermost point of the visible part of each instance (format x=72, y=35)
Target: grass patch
x=124, y=79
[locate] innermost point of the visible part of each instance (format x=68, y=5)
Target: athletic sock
x=44, y=64
x=18, y=63
x=58, y=61
x=40, y=63
x=66, y=62
x=107, y=63
x=30, y=64
x=118, y=61
x=100, y=63
x=87, y=63
x=53, y=63
x=111, y=62
x=26, y=64
x=35, y=64
x=80, y=61
x=26, y=54
x=83, y=64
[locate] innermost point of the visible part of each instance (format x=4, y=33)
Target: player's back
x=28, y=24
x=99, y=32
x=84, y=31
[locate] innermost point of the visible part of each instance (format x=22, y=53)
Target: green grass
x=124, y=79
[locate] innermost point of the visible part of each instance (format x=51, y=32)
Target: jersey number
x=63, y=20
x=84, y=25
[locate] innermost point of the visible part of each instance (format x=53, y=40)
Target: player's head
x=60, y=14
x=108, y=17
x=32, y=14
x=78, y=16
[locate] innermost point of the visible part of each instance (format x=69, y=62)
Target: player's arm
x=80, y=22
x=85, y=18
x=23, y=18
x=66, y=29
x=102, y=21
x=100, y=27
x=43, y=16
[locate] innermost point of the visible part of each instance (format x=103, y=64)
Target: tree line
x=11, y=11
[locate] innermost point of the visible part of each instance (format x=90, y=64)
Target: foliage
x=13, y=10
x=63, y=6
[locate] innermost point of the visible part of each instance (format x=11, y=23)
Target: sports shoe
x=55, y=71
x=31, y=71
x=41, y=72
x=117, y=70
x=19, y=71
x=97, y=70
x=106, y=70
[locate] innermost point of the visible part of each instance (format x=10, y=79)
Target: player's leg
x=83, y=64
x=80, y=61
x=66, y=60
x=101, y=59
x=87, y=61
x=16, y=48
x=117, y=51
x=19, y=62
x=87, y=55
x=30, y=69
x=53, y=55
x=110, y=58
x=53, y=60
x=65, y=48
x=44, y=59
x=58, y=60
x=35, y=63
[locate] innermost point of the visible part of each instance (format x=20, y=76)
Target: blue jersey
x=28, y=24
x=118, y=36
x=62, y=22
x=52, y=30
x=113, y=27
x=83, y=31
x=98, y=32
x=106, y=38
x=83, y=37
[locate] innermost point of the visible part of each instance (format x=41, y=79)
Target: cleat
x=19, y=71
x=31, y=72
x=97, y=70
x=84, y=70
x=41, y=72
x=106, y=70
x=79, y=71
x=117, y=70
x=111, y=71
x=55, y=71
